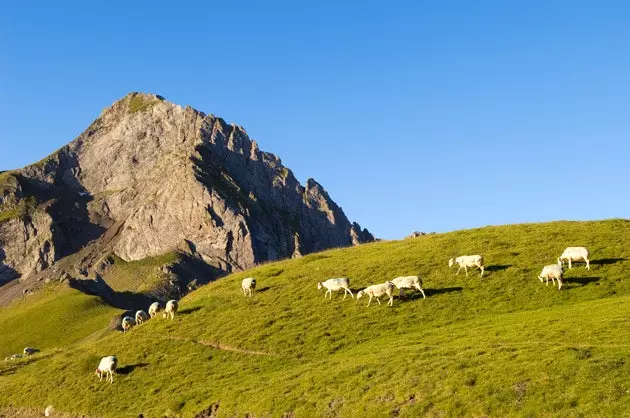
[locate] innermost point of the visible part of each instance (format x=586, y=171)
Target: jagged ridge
x=148, y=177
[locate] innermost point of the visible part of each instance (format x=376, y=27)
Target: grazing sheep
x=408, y=282
x=378, y=290
x=13, y=357
x=334, y=285
x=248, y=285
x=154, y=309
x=171, y=309
x=141, y=316
x=28, y=351
x=575, y=254
x=553, y=272
x=106, y=368
x=127, y=323
x=466, y=261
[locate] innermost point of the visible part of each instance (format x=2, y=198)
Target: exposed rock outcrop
x=148, y=177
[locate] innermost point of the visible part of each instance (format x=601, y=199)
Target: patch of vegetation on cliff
x=24, y=208
x=139, y=103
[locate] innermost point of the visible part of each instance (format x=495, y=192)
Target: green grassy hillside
x=504, y=345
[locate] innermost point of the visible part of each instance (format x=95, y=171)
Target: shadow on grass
x=262, y=289
x=433, y=292
x=130, y=368
x=583, y=281
x=498, y=267
x=189, y=310
x=605, y=261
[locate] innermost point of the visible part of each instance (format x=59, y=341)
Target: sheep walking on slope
x=466, y=261
x=171, y=309
x=248, y=285
x=154, y=309
x=141, y=316
x=553, y=272
x=127, y=323
x=575, y=254
x=408, y=282
x=378, y=290
x=335, y=285
x=106, y=368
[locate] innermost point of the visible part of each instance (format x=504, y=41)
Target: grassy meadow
x=502, y=345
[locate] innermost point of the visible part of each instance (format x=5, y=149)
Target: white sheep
x=28, y=351
x=408, y=282
x=141, y=316
x=553, y=272
x=107, y=367
x=154, y=309
x=248, y=285
x=127, y=323
x=171, y=309
x=466, y=261
x=575, y=254
x=335, y=285
x=378, y=290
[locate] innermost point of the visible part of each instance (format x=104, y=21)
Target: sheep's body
x=335, y=285
x=553, y=272
x=154, y=309
x=107, y=367
x=466, y=261
x=28, y=351
x=378, y=290
x=127, y=323
x=141, y=316
x=571, y=254
x=171, y=309
x=248, y=285
x=408, y=282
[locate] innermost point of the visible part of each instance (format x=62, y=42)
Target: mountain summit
x=149, y=177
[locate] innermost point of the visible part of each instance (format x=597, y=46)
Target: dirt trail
x=224, y=347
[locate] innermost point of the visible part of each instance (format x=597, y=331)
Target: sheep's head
x=540, y=278
x=360, y=294
x=98, y=372
x=319, y=285
x=451, y=262
x=560, y=261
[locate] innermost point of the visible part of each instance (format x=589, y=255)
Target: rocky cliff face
x=148, y=177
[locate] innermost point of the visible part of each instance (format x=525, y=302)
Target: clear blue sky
x=415, y=115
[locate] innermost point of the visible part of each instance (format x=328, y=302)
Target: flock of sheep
x=107, y=366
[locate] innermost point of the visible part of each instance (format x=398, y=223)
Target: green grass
x=25, y=207
x=140, y=103
x=504, y=345
x=137, y=276
x=52, y=318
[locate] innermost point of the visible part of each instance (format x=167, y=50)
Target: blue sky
x=415, y=115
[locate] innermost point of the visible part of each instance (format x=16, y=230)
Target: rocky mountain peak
x=148, y=177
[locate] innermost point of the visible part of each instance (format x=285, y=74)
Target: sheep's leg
x=378, y=300
x=344, y=294
x=369, y=301
x=559, y=284
x=350, y=291
x=391, y=301
x=326, y=293
x=482, y=269
x=569, y=262
x=466, y=270
x=460, y=267
x=588, y=265
x=423, y=295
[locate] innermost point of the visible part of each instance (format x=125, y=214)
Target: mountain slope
x=503, y=345
x=149, y=177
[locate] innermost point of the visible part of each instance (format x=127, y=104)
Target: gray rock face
x=148, y=177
